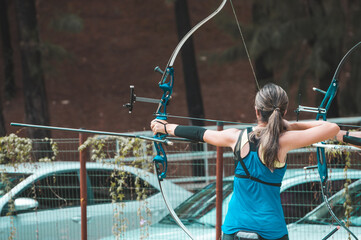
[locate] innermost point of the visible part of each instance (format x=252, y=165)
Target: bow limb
x=190, y=33
x=332, y=90
x=343, y=60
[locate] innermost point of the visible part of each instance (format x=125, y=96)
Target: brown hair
x=271, y=101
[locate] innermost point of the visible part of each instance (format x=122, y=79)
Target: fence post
x=219, y=186
x=83, y=189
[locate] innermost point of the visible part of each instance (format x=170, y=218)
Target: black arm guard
x=352, y=140
x=190, y=132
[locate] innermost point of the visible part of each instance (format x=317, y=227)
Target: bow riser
x=327, y=100
x=166, y=85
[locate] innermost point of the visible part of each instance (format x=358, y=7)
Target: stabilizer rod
x=165, y=141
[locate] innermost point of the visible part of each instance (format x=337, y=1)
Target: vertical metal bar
x=83, y=189
x=206, y=167
x=219, y=186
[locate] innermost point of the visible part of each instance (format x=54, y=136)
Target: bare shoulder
x=233, y=131
x=293, y=139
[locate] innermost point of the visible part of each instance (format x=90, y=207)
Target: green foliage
x=101, y=148
x=68, y=22
x=14, y=149
x=54, y=52
x=299, y=43
x=54, y=149
x=343, y=157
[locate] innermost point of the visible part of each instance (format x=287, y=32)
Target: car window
x=102, y=180
x=200, y=204
x=55, y=191
x=321, y=215
x=10, y=180
x=300, y=199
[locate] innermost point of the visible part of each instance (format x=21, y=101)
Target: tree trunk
x=2, y=121
x=191, y=79
x=36, y=107
x=9, y=83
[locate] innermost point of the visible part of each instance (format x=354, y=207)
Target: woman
x=260, y=155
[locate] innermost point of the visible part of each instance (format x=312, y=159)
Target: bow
x=166, y=85
x=322, y=113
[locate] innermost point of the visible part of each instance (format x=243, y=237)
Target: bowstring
x=244, y=44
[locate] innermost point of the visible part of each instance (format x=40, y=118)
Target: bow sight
x=134, y=98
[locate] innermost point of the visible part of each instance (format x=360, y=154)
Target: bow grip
x=160, y=159
x=322, y=164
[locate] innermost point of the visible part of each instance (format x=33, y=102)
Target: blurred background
x=70, y=63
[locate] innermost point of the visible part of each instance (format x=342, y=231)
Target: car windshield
x=321, y=215
x=10, y=180
x=195, y=208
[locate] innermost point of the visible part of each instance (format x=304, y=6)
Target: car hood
x=316, y=231
x=169, y=232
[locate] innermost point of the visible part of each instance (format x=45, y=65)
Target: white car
x=42, y=200
x=299, y=190
x=319, y=223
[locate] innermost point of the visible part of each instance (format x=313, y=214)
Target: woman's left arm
x=224, y=138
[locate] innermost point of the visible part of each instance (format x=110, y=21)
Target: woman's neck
x=261, y=124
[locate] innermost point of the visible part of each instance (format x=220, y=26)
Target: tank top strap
x=253, y=144
x=242, y=140
x=237, y=148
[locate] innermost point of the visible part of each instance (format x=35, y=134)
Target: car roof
x=39, y=169
x=313, y=176
x=30, y=168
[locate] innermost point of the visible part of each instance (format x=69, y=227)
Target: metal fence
x=42, y=200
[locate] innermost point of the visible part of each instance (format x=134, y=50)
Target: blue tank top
x=255, y=206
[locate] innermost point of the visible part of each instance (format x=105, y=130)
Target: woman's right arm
x=355, y=134
x=303, y=125
x=339, y=136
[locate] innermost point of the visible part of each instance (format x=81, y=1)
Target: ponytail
x=271, y=102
